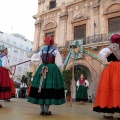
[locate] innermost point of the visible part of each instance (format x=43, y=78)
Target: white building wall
x=18, y=48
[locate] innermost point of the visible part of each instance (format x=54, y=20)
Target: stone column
x=63, y=27
x=37, y=34
x=96, y=22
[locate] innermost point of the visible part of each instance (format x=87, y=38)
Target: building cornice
x=57, y=8
x=46, y=12
x=103, y=43
x=14, y=46
x=74, y=2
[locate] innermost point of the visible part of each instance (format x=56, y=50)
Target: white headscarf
x=114, y=47
x=2, y=48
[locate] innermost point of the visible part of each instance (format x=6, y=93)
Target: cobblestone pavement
x=20, y=109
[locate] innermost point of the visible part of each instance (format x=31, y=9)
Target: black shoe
x=1, y=106
x=41, y=113
x=50, y=112
x=47, y=113
x=108, y=117
x=7, y=100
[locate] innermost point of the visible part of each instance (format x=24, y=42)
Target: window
x=8, y=41
x=14, y=60
x=26, y=64
x=21, y=46
x=21, y=53
x=114, y=25
x=19, y=70
x=80, y=32
x=20, y=60
x=31, y=50
x=9, y=49
x=51, y=34
x=25, y=70
x=27, y=49
x=52, y=4
x=15, y=51
x=14, y=43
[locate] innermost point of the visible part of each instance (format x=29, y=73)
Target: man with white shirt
x=23, y=87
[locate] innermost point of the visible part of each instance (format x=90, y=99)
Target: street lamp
x=94, y=27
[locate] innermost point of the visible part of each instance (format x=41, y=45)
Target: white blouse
x=103, y=54
x=58, y=59
x=23, y=85
x=5, y=62
x=86, y=83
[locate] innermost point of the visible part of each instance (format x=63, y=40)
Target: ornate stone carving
x=79, y=17
x=38, y=22
x=63, y=15
x=95, y=6
x=50, y=25
x=113, y=8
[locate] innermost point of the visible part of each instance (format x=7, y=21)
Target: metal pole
x=94, y=29
x=91, y=55
x=72, y=82
x=20, y=63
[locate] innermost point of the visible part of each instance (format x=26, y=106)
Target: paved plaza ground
x=20, y=109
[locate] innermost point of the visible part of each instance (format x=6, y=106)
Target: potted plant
x=67, y=76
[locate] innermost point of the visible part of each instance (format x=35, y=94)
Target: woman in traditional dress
x=47, y=85
x=12, y=89
x=108, y=93
x=82, y=86
x=5, y=86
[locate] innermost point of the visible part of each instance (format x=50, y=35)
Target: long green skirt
x=81, y=93
x=52, y=91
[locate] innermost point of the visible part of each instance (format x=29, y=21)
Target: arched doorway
x=89, y=76
x=78, y=67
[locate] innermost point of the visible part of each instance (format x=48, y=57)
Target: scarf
x=81, y=81
x=114, y=47
x=46, y=47
x=2, y=55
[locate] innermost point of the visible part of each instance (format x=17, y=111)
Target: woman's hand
x=10, y=72
x=109, y=62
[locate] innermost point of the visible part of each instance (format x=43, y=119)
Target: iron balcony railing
x=96, y=38
x=87, y=40
x=90, y=39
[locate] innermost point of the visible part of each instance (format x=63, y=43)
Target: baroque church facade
x=92, y=21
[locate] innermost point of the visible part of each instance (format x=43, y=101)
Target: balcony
x=95, y=39
x=100, y=38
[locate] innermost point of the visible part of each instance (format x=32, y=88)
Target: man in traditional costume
x=81, y=93
x=108, y=93
x=47, y=85
x=5, y=85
